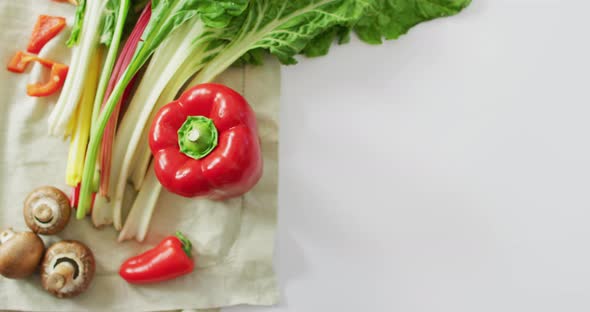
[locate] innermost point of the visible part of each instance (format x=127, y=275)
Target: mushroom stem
x=43, y=213
x=6, y=235
x=60, y=275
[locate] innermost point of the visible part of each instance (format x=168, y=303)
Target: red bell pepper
x=45, y=29
x=20, y=61
x=170, y=259
x=206, y=144
x=56, y=81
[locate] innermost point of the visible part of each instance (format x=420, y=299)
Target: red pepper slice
x=56, y=81
x=20, y=61
x=206, y=144
x=45, y=29
x=170, y=259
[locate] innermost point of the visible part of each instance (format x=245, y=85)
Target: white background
x=445, y=171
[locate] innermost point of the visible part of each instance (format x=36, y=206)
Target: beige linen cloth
x=233, y=239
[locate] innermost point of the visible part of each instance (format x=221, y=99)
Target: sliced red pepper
x=170, y=259
x=20, y=61
x=45, y=29
x=56, y=81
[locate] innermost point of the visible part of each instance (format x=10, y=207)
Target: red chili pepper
x=20, y=61
x=168, y=260
x=206, y=144
x=56, y=81
x=45, y=29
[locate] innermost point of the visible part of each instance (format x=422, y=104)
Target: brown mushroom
x=20, y=253
x=47, y=210
x=67, y=269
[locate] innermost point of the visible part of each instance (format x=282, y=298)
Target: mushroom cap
x=20, y=254
x=47, y=210
x=76, y=254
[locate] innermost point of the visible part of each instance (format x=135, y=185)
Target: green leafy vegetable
x=78, y=21
x=284, y=28
x=389, y=19
x=320, y=45
x=385, y=20
x=109, y=21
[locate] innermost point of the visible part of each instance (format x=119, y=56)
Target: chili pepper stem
x=186, y=243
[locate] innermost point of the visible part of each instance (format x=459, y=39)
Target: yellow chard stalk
x=82, y=123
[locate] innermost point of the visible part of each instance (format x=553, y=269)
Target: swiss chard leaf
x=384, y=19
x=78, y=21
x=167, y=15
x=389, y=19
x=252, y=57
x=218, y=14
x=109, y=21
x=291, y=30
x=283, y=28
x=320, y=44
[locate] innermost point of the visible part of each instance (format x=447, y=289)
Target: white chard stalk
x=137, y=116
x=76, y=78
x=138, y=220
x=142, y=158
x=102, y=212
x=80, y=131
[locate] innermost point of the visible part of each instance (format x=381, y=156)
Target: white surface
x=447, y=171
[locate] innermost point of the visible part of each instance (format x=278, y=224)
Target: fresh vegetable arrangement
x=139, y=107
